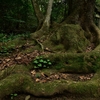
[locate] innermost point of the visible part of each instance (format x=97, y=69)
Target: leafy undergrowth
x=6, y=38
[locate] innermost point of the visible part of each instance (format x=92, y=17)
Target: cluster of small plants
x=13, y=95
x=40, y=62
x=6, y=50
x=5, y=37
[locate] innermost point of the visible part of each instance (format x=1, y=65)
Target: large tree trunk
x=81, y=12
x=86, y=20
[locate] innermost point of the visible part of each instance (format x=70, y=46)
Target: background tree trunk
x=46, y=23
x=38, y=13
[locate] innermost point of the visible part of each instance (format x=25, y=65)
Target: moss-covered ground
x=67, y=52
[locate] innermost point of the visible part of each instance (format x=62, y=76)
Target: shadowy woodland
x=50, y=48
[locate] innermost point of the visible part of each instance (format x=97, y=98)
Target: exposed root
x=41, y=45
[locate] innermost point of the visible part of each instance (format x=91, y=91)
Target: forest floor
x=18, y=57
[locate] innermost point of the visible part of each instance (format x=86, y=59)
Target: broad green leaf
x=35, y=67
x=41, y=60
x=49, y=63
x=39, y=65
x=48, y=60
x=35, y=61
x=45, y=62
x=15, y=94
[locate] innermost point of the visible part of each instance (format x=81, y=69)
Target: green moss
x=84, y=88
x=89, y=88
x=20, y=80
x=72, y=37
x=59, y=47
x=10, y=46
x=79, y=63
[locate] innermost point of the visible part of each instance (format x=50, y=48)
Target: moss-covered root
x=76, y=63
x=11, y=84
x=12, y=79
x=22, y=82
x=88, y=88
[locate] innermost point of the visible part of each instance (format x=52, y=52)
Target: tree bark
x=38, y=13
x=46, y=23
x=86, y=20
x=82, y=12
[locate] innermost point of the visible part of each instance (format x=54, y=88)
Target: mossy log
x=18, y=78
